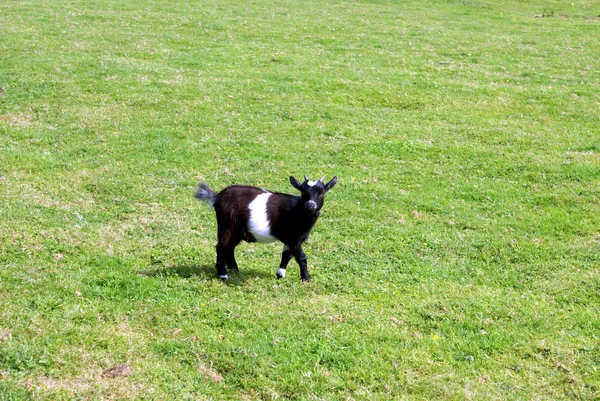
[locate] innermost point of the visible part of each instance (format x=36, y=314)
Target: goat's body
x=256, y=215
x=253, y=214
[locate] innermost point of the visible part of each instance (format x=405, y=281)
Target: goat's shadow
x=205, y=272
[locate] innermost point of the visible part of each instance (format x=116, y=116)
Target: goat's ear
x=295, y=183
x=331, y=184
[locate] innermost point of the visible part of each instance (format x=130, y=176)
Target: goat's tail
x=205, y=194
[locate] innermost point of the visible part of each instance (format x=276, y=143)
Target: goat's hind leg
x=221, y=261
x=231, y=263
x=225, y=248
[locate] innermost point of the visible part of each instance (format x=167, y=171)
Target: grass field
x=457, y=258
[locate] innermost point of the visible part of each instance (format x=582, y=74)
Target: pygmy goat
x=257, y=215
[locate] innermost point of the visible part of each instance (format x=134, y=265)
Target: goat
x=251, y=214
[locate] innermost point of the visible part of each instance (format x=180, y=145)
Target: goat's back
x=232, y=202
x=238, y=194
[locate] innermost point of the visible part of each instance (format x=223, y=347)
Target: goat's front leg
x=301, y=258
x=286, y=255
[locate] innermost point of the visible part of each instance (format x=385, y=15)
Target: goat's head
x=313, y=192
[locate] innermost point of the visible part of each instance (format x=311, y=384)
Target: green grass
x=457, y=258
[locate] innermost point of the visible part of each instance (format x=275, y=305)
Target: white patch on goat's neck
x=258, y=224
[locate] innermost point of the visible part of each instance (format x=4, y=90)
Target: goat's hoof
x=306, y=279
x=280, y=273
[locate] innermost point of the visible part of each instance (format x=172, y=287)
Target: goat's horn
x=305, y=177
x=321, y=179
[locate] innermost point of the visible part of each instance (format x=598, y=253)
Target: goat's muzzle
x=311, y=206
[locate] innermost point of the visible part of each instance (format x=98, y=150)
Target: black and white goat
x=256, y=215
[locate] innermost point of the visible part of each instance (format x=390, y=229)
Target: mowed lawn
x=457, y=258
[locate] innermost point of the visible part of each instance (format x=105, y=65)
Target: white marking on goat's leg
x=285, y=258
x=258, y=224
x=223, y=276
